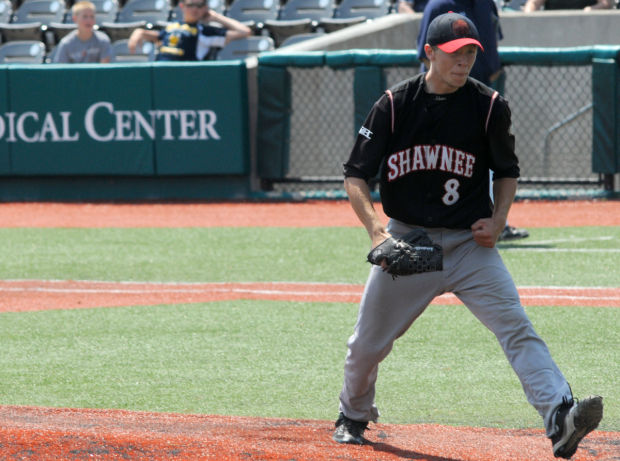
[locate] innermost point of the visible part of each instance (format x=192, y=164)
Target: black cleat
x=349, y=431
x=512, y=233
x=574, y=420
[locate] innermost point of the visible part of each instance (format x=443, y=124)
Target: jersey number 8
x=451, y=196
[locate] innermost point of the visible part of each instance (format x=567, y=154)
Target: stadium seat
x=280, y=30
x=294, y=39
x=150, y=11
x=144, y=53
x=245, y=47
x=49, y=57
x=333, y=24
x=41, y=11
x=13, y=32
x=217, y=5
x=253, y=13
x=58, y=30
x=106, y=11
x=351, y=12
x=119, y=31
x=6, y=11
x=304, y=9
x=298, y=17
x=370, y=9
x=23, y=52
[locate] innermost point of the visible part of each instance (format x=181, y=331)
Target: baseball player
x=434, y=138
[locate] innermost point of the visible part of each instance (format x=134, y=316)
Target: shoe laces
x=562, y=410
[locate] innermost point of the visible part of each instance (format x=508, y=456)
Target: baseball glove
x=413, y=253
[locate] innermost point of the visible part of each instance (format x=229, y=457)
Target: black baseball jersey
x=434, y=152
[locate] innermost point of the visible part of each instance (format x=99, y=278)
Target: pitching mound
x=48, y=433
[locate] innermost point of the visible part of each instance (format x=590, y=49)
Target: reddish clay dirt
x=36, y=295
x=311, y=213
x=32, y=433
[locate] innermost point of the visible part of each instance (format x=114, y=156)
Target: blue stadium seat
x=6, y=11
x=121, y=30
x=307, y=9
x=299, y=17
x=150, y=11
x=253, y=13
x=294, y=39
x=41, y=11
x=22, y=52
x=333, y=24
x=58, y=30
x=370, y=9
x=145, y=53
x=29, y=31
x=245, y=47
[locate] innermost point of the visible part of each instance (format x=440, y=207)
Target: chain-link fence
x=551, y=114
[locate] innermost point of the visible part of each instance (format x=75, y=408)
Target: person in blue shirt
x=487, y=68
x=192, y=39
x=411, y=6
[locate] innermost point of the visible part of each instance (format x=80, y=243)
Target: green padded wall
x=210, y=133
x=80, y=120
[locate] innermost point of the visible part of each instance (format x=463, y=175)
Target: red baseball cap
x=451, y=31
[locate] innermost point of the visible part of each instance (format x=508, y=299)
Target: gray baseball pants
x=479, y=278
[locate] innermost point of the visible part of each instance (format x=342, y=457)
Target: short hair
x=82, y=5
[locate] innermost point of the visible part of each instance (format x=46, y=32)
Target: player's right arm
x=361, y=202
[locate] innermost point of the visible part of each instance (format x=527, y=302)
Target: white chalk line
x=205, y=288
x=529, y=245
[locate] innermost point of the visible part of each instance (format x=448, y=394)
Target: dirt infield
x=32, y=433
x=35, y=295
x=304, y=214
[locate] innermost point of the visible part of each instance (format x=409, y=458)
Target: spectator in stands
x=587, y=5
x=487, y=68
x=192, y=40
x=411, y=6
x=85, y=44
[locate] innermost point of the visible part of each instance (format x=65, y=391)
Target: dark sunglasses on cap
x=195, y=5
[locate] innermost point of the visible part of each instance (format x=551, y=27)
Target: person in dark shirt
x=411, y=6
x=433, y=139
x=192, y=40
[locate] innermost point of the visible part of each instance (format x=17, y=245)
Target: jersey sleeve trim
x=391, y=98
x=486, y=123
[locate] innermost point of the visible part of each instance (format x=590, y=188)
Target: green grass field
x=284, y=359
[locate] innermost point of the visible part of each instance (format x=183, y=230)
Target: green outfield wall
x=146, y=129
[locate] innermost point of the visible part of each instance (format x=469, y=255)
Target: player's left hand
x=486, y=232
